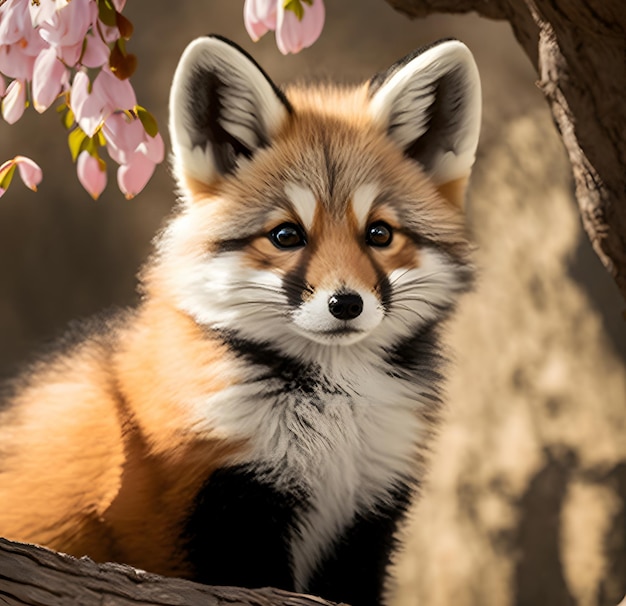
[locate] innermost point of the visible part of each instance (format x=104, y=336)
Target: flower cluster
x=75, y=50
x=298, y=23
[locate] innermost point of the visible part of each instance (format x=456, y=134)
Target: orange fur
x=107, y=457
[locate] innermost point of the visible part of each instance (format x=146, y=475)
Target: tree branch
x=34, y=576
x=578, y=48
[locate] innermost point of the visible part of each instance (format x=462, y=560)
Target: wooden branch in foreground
x=579, y=50
x=35, y=576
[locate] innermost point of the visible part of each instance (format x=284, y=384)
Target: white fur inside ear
x=222, y=108
x=431, y=107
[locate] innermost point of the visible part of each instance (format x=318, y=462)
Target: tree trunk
x=579, y=50
x=34, y=576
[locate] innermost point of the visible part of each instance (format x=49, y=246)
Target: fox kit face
x=320, y=218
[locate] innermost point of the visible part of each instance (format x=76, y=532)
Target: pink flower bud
x=14, y=101
x=259, y=16
x=30, y=172
x=88, y=107
x=132, y=177
x=90, y=174
x=292, y=35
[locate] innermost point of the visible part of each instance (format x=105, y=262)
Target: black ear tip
x=277, y=91
x=429, y=102
x=377, y=80
x=223, y=108
x=228, y=41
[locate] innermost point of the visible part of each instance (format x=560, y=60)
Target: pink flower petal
x=293, y=35
x=123, y=136
x=14, y=101
x=30, y=172
x=132, y=177
x=259, y=16
x=118, y=93
x=68, y=26
x=5, y=169
x=89, y=108
x=48, y=78
x=15, y=63
x=15, y=18
x=3, y=86
x=96, y=52
x=41, y=12
x=90, y=174
x=70, y=54
x=109, y=33
x=152, y=148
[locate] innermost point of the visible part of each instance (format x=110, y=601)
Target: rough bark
x=579, y=50
x=34, y=576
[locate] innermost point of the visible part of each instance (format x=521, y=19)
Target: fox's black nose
x=345, y=306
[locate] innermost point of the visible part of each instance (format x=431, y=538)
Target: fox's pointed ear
x=223, y=107
x=430, y=104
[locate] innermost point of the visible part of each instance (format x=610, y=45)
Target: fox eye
x=287, y=235
x=379, y=234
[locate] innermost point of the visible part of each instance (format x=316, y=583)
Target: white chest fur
x=343, y=441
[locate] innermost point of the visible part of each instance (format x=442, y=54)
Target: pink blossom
x=119, y=93
x=20, y=43
x=42, y=11
x=132, y=177
x=292, y=35
x=96, y=52
x=108, y=94
x=137, y=152
x=14, y=101
x=47, y=46
x=91, y=174
x=153, y=148
x=67, y=27
x=88, y=107
x=15, y=21
x=259, y=16
x=29, y=171
x=49, y=76
x=15, y=63
x=123, y=136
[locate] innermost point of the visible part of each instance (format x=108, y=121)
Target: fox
x=263, y=415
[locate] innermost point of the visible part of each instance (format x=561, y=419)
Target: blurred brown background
x=525, y=502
